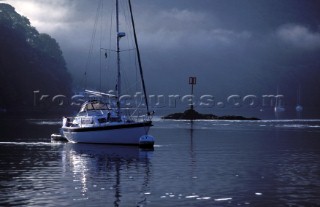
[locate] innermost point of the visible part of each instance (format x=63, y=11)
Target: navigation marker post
x=192, y=81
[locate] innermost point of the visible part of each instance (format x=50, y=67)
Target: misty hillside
x=29, y=61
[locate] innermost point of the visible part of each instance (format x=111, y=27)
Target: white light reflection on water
x=32, y=143
x=102, y=170
x=223, y=199
x=44, y=121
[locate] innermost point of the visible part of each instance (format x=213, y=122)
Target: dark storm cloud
x=232, y=46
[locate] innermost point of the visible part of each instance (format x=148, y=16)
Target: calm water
x=207, y=163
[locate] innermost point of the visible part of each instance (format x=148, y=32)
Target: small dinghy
x=58, y=138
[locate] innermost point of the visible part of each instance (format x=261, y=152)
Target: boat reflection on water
x=105, y=173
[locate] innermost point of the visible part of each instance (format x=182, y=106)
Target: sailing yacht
x=98, y=122
x=278, y=106
x=299, y=107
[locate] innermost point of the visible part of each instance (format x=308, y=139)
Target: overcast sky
x=233, y=46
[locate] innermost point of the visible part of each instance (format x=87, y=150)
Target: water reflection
x=109, y=172
x=192, y=151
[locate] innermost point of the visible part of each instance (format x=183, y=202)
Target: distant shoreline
x=191, y=114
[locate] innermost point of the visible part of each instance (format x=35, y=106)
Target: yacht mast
x=118, y=59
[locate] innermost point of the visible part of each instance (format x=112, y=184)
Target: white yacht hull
x=125, y=134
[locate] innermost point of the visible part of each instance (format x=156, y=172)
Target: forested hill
x=29, y=61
